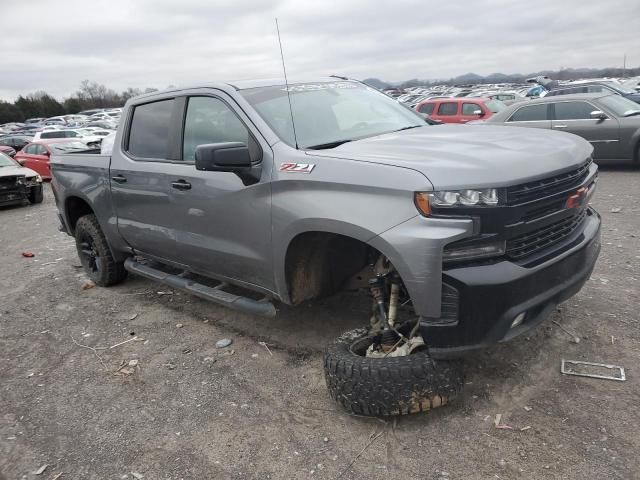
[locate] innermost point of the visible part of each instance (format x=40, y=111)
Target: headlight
x=36, y=179
x=468, y=197
x=486, y=197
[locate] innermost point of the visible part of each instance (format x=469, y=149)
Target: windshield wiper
x=408, y=128
x=324, y=146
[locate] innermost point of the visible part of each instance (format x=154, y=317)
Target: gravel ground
x=182, y=409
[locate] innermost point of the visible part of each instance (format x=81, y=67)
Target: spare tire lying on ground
x=387, y=386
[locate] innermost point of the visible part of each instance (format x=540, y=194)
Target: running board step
x=213, y=294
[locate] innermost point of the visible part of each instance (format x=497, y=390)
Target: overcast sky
x=53, y=45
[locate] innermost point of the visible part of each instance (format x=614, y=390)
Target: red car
x=36, y=154
x=460, y=110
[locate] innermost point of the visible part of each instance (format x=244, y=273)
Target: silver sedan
x=611, y=123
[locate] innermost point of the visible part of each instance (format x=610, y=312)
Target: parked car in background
x=17, y=142
x=60, y=120
x=611, y=123
x=10, y=151
x=95, y=131
x=103, y=124
x=27, y=129
x=632, y=84
x=596, y=87
x=505, y=97
x=34, y=120
x=17, y=183
x=460, y=110
x=36, y=155
x=87, y=138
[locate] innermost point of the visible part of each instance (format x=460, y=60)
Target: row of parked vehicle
x=32, y=143
x=606, y=112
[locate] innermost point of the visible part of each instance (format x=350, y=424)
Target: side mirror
x=223, y=157
x=228, y=157
x=478, y=112
x=47, y=154
x=598, y=115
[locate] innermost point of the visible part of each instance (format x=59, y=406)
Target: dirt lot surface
x=190, y=411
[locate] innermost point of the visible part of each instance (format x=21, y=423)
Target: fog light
x=518, y=320
x=472, y=252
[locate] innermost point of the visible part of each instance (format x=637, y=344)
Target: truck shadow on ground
x=302, y=332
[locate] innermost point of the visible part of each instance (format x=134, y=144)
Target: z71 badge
x=297, y=167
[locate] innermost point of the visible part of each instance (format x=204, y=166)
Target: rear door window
x=573, y=110
x=470, y=108
x=533, y=113
x=150, y=128
x=448, y=108
x=427, y=108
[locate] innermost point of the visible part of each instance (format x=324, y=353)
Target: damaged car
x=18, y=184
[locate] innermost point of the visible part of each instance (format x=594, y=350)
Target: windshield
x=621, y=106
x=327, y=114
x=63, y=147
x=7, y=161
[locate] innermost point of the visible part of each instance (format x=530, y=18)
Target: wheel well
x=76, y=208
x=318, y=264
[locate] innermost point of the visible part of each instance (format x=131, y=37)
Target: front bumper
x=490, y=296
x=14, y=194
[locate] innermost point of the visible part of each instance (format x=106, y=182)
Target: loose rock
x=225, y=342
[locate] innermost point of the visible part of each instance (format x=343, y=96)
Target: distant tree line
x=89, y=95
x=472, y=78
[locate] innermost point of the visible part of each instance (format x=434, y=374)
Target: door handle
x=559, y=126
x=119, y=179
x=181, y=185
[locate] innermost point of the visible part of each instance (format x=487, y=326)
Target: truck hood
x=480, y=156
x=10, y=171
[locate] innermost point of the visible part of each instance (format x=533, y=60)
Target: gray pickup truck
x=462, y=236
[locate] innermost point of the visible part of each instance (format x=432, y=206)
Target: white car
x=105, y=116
x=94, y=131
x=59, y=120
x=89, y=140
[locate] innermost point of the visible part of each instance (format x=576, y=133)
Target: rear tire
x=36, y=194
x=95, y=254
x=387, y=386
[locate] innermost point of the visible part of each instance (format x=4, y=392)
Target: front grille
x=536, y=240
x=538, y=189
x=8, y=183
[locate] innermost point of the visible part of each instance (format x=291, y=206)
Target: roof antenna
x=286, y=82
